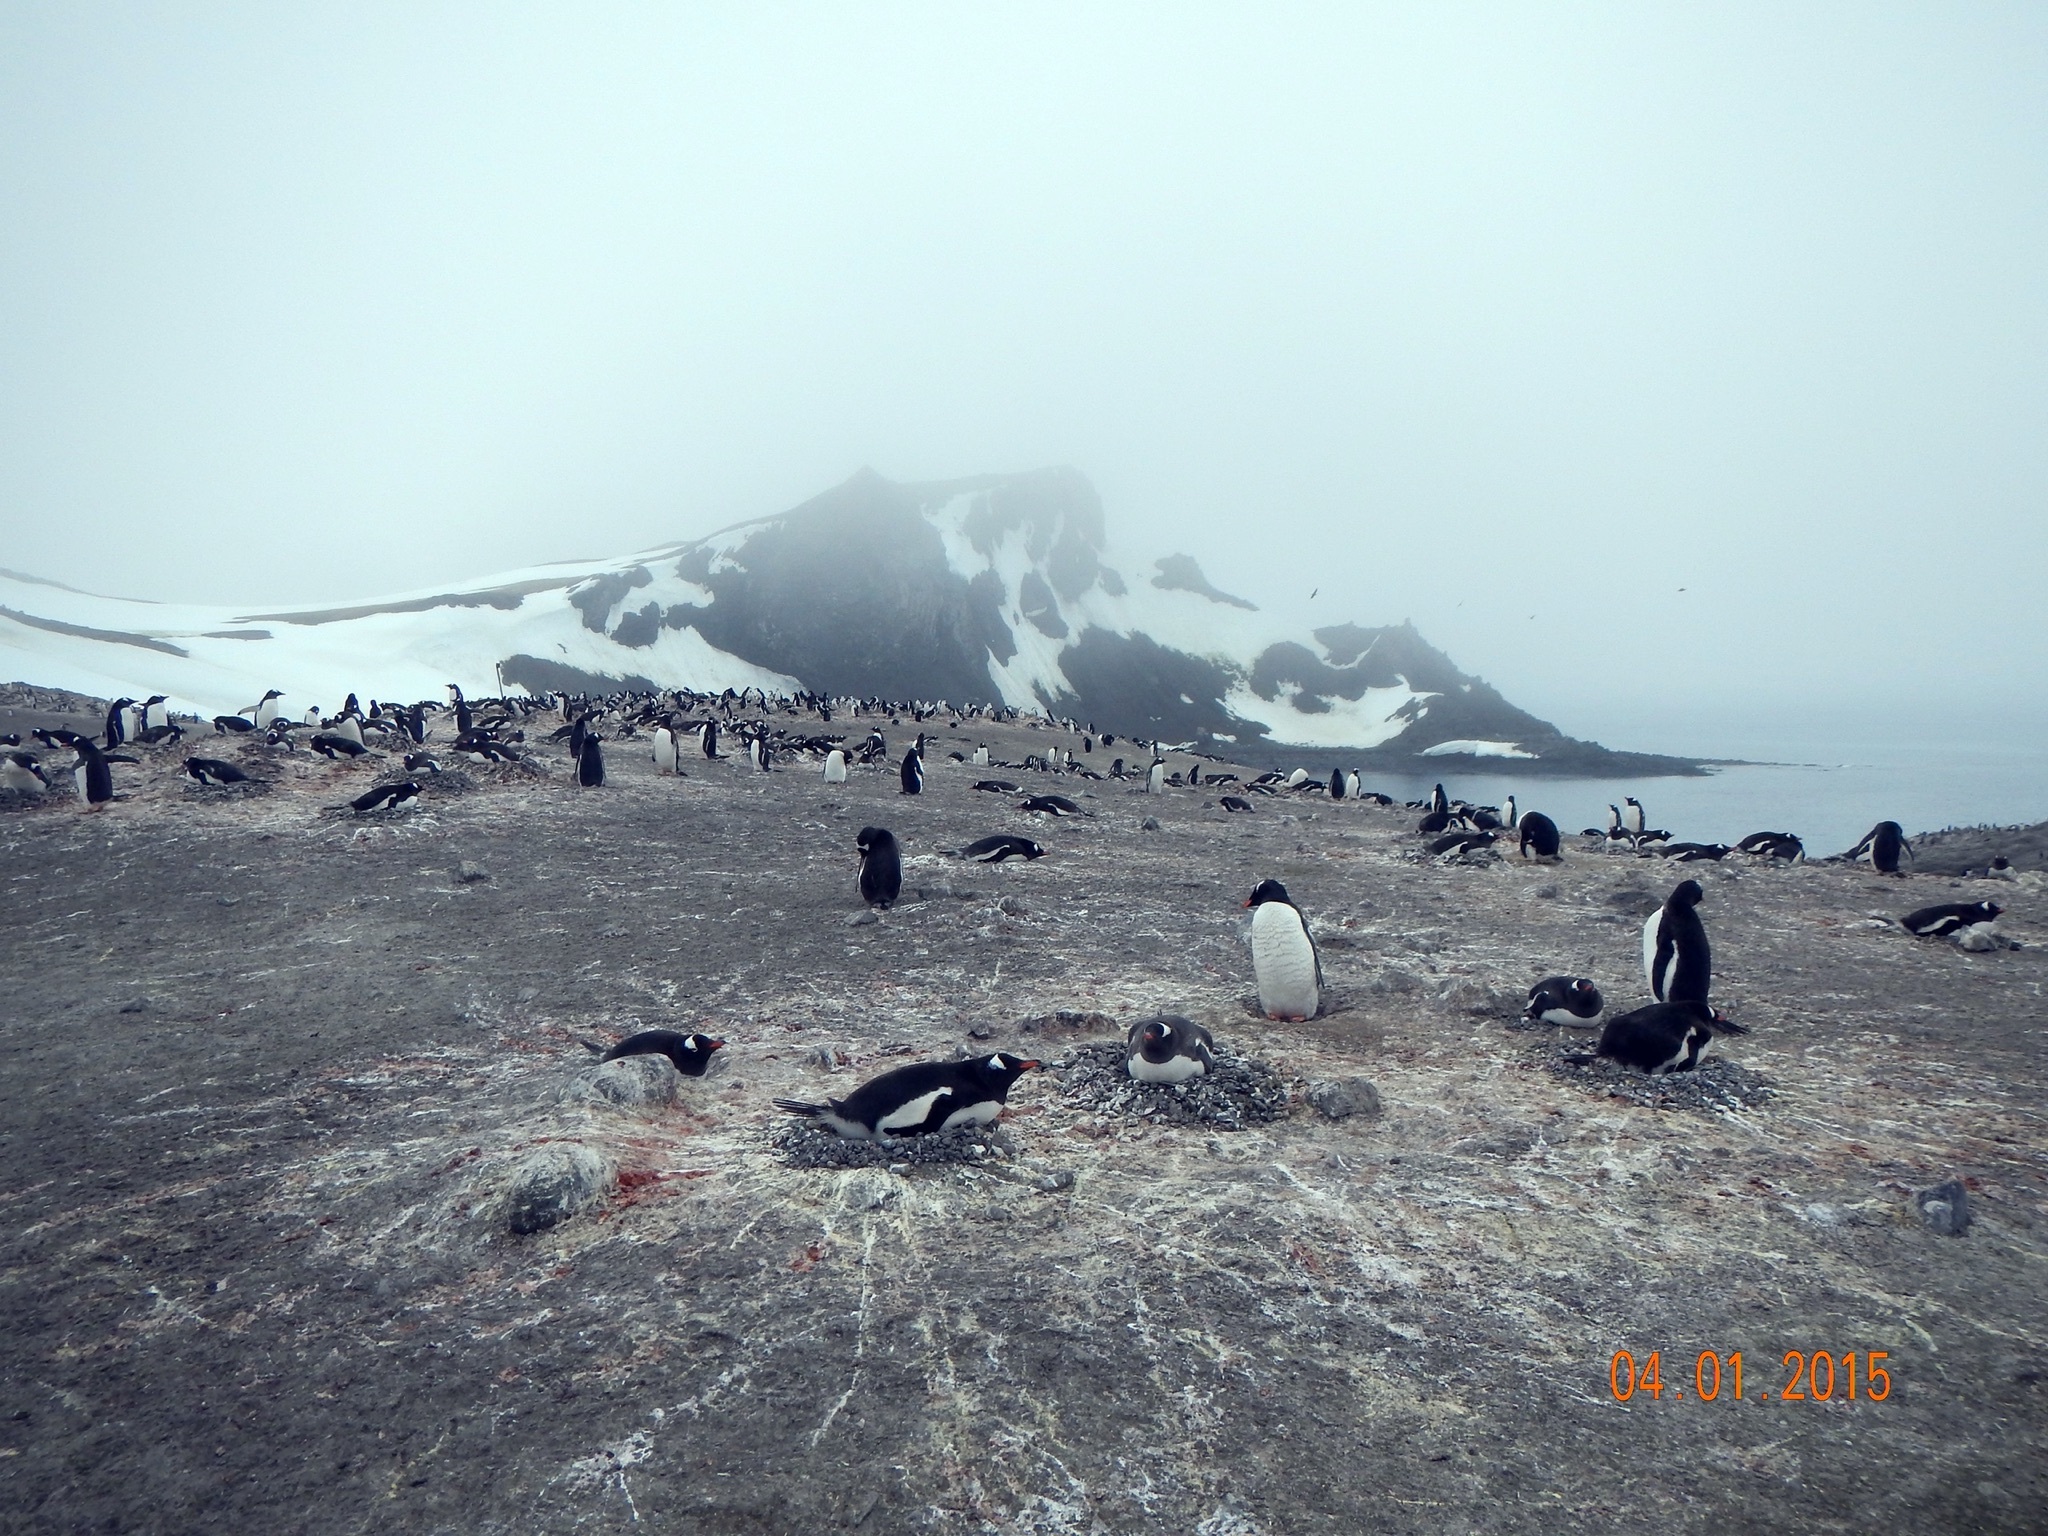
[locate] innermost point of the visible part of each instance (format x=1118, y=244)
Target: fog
x=1682, y=374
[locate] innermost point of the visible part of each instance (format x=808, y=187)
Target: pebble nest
x=1237, y=1092
x=800, y=1144
x=1716, y=1084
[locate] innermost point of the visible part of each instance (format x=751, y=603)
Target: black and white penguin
x=1508, y=815
x=421, y=762
x=1881, y=846
x=1632, y=819
x=465, y=718
x=590, y=761
x=1284, y=958
x=1538, y=834
x=993, y=850
x=1613, y=819
x=385, y=797
x=835, y=767
x=1695, y=853
x=1337, y=784
x=1940, y=922
x=118, y=717
x=664, y=750
x=22, y=773
x=1571, y=1000
x=1462, y=842
x=211, y=770
x=1772, y=845
x=329, y=745
x=691, y=1053
x=1352, y=785
x=155, y=712
x=1439, y=802
x=1051, y=805
x=996, y=787
x=1433, y=822
x=95, y=780
x=265, y=709
x=1677, y=959
x=881, y=866
x=232, y=725
x=1155, y=781
x=1662, y=1037
x=1167, y=1049
x=912, y=772
x=920, y=1098
x=1235, y=803
x=707, y=739
x=981, y=757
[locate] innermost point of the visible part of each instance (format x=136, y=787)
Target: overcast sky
x=1675, y=372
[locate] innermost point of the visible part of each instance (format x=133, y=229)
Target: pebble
x=862, y=919
x=1236, y=1093
x=469, y=873
x=137, y=1005
x=553, y=1185
x=1717, y=1083
x=800, y=1145
x=635, y=1082
x=1341, y=1098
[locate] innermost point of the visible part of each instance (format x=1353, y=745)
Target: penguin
x=265, y=709
x=1940, y=922
x=1439, y=802
x=993, y=850
x=664, y=750
x=759, y=754
x=691, y=1053
x=1051, y=805
x=232, y=725
x=1155, y=781
x=1676, y=956
x=835, y=767
x=385, y=797
x=1571, y=1000
x=95, y=780
x=707, y=739
x=1235, y=803
x=1284, y=958
x=1167, y=1049
x=1508, y=818
x=1434, y=821
x=1297, y=778
x=997, y=787
x=981, y=757
x=922, y=1097
x=1694, y=853
x=1352, y=785
x=117, y=722
x=154, y=714
x=1194, y=775
x=465, y=720
x=590, y=762
x=1662, y=1037
x=349, y=726
x=1632, y=818
x=1539, y=832
x=312, y=716
x=1462, y=842
x=1337, y=784
x=881, y=867
x=211, y=770
x=421, y=762
x=329, y=745
x=912, y=772
x=21, y=772
x=1881, y=845
x=1613, y=819
x=1772, y=845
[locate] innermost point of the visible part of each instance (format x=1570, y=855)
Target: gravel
x=1716, y=1084
x=1237, y=1093
x=799, y=1144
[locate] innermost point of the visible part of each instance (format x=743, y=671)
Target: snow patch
x=1475, y=749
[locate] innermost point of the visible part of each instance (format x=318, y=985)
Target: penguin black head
x=1268, y=890
x=1003, y=1069
x=871, y=838
x=1688, y=893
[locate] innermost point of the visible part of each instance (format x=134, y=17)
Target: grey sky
x=1459, y=315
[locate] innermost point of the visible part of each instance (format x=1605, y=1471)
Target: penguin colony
x=1670, y=1034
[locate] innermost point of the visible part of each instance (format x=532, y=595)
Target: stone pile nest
x=799, y=1144
x=1237, y=1093
x=1716, y=1084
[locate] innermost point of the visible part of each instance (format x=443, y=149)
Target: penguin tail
x=799, y=1107
x=1579, y=1058
x=1724, y=1025
x=590, y=1045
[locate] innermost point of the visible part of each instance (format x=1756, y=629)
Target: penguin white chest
x=1177, y=1069
x=1284, y=961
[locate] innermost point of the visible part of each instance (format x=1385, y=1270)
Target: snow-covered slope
x=996, y=588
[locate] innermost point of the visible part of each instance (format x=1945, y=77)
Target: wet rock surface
x=260, y=1273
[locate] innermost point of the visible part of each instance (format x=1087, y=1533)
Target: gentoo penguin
x=881, y=866
x=993, y=850
x=1167, y=1049
x=1772, y=845
x=996, y=787
x=1284, y=958
x=385, y=797
x=981, y=757
x=1632, y=818
x=1676, y=957
x=329, y=745
x=1939, y=922
x=421, y=762
x=835, y=767
x=1352, y=785
x=1235, y=803
x=707, y=739
x=232, y=725
x=1434, y=821
x=1538, y=832
x=117, y=722
x=1194, y=774
x=690, y=1053
x=95, y=780
x=266, y=709
x=1051, y=805
x=465, y=719
x=21, y=772
x=154, y=713
x=1694, y=853
x=912, y=772
x=1569, y=1000
x=590, y=761
x=1462, y=842
x=922, y=1097
x=312, y=715
x=1337, y=784
x=664, y=750
x=349, y=726
x=1662, y=1037
x=1439, y=802
x=1508, y=818
x=1881, y=846
x=211, y=770
x=1613, y=819
x=1155, y=781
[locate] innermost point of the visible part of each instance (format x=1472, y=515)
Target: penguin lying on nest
x=1664, y=1037
x=922, y=1097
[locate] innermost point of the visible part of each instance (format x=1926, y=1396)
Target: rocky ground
x=281, y=1082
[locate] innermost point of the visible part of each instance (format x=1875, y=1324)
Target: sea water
x=1829, y=796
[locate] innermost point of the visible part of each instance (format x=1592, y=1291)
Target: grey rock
x=1396, y=983
x=1543, y=892
x=862, y=919
x=138, y=1005
x=1945, y=1208
x=1149, y=824
x=1010, y=906
x=1341, y=1098
x=1058, y=1179
x=636, y=1082
x=1635, y=903
x=554, y=1184
x=469, y=873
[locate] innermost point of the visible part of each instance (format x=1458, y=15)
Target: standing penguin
x=664, y=750
x=1632, y=818
x=1881, y=846
x=708, y=738
x=1613, y=820
x=835, y=767
x=1336, y=783
x=1284, y=958
x=266, y=708
x=912, y=772
x=94, y=778
x=117, y=722
x=881, y=867
x=1352, y=785
x=1439, y=802
x=1155, y=782
x=1676, y=957
x=981, y=757
x=1539, y=832
x=1508, y=818
x=590, y=762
